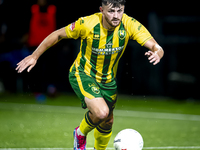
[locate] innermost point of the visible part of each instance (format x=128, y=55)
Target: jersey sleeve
x=137, y=31
x=76, y=29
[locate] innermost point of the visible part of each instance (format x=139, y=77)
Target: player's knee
x=101, y=115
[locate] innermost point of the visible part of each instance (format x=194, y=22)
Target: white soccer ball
x=128, y=139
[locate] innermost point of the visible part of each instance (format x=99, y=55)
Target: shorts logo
x=122, y=34
x=94, y=88
x=114, y=97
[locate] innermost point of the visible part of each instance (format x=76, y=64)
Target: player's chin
x=115, y=23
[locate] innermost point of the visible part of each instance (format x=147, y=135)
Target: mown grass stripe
x=79, y=110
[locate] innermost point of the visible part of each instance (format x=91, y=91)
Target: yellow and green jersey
x=100, y=48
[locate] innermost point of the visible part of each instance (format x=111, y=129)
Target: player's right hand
x=29, y=61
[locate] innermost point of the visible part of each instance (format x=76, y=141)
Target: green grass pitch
x=162, y=122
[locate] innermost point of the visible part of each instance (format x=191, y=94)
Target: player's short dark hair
x=114, y=2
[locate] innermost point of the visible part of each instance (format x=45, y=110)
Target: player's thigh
x=84, y=86
x=109, y=93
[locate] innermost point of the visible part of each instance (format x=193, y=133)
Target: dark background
x=174, y=25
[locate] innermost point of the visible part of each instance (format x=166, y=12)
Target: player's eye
x=111, y=11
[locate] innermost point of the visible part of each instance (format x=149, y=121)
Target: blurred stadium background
x=169, y=90
x=174, y=25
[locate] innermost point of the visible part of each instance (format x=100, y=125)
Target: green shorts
x=86, y=86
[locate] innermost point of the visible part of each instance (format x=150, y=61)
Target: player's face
x=112, y=14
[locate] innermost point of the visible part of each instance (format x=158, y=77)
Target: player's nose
x=115, y=15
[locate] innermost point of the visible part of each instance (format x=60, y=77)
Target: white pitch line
x=156, y=115
x=174, y=147
x=109, y=148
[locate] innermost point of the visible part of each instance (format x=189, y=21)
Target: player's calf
x=103, y=132
x=108, y=122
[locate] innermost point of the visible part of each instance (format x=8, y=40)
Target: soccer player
x=104, y=37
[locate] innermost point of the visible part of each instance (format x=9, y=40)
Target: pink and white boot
x=79, y=141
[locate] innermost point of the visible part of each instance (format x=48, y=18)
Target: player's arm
x=156, y=52
x=31, y=60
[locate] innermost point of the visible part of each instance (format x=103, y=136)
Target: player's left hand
x=153, y=57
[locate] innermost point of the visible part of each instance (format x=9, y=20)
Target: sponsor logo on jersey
x=109, y=45
x=107, y=51
x=72, y=26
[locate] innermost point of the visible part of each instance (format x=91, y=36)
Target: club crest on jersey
x=122, y=34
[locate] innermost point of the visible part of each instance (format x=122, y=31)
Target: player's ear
x=101, y=9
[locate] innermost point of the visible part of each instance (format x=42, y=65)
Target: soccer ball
x=128, y=139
